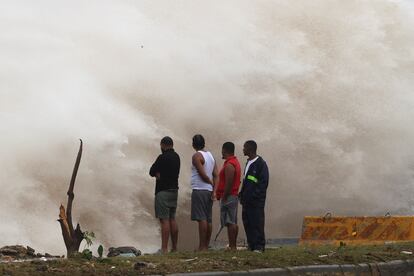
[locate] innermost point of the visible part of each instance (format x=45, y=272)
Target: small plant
x=88, y=237
x=86, y=254
x=100, y=251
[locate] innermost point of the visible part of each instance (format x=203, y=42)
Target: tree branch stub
x=72, y=237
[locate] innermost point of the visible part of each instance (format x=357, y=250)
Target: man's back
x=168, y=167
x=166, y=170
x=197, y=182
x=255, y=184
x=234, y=162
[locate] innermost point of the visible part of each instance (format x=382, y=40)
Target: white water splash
x=325, y=87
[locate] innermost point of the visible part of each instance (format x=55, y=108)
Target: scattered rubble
x=19, y=252
x=141, y=265
x=124, y=251
x=189, y=260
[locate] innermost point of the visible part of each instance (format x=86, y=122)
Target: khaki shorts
x=166, y=204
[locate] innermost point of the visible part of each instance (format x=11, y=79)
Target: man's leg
x=162, y=213
x=202, y=212
x=209, y=219
x=232, y=231
x=261, y=225
x=247, y=223
x=165, y=234
x=257, y=219
x=174, y=234
x=202, y=233
x=230, y=219
x=208, y=236
x=173, y=222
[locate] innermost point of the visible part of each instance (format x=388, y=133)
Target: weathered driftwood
x=72, y=237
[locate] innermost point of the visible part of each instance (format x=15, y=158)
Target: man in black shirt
x=166, y=170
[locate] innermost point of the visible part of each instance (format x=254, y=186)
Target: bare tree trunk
x=72, y=237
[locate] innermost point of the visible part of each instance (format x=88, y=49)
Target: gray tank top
x=197, y=183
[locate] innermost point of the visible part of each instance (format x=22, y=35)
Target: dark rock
x=113, y=252
x=30, y=251
x=140, y=265
x=15, y=251
x=18, y=252
x=10, y=252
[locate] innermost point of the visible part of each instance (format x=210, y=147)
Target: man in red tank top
x=227, y=192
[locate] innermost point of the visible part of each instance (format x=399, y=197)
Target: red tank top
x=236, y=181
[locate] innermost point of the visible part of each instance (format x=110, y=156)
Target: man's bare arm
x=215, y=175
x=215, y=181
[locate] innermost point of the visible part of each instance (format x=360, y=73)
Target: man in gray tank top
x=204, y=175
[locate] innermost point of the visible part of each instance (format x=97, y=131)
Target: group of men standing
x=208, y=184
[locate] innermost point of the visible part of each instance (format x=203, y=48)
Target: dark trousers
x=254, y=221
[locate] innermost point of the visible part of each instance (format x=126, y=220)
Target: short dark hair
x=198, y=141
x=167, y=141
x=229, y=147
x=251, y=145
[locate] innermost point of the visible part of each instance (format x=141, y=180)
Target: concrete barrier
x=356, y=230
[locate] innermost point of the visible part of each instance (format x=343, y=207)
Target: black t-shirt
x=168, y=166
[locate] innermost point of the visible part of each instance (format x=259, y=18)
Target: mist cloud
x=325, y=87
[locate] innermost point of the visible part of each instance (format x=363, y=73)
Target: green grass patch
x=215, y=260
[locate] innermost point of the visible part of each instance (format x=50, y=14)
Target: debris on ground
x=189, y=260
x=19, y=252
x=141, y=265
x=127, y=255
x=121, y=251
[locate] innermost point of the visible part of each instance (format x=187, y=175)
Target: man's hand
x=213, y=196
